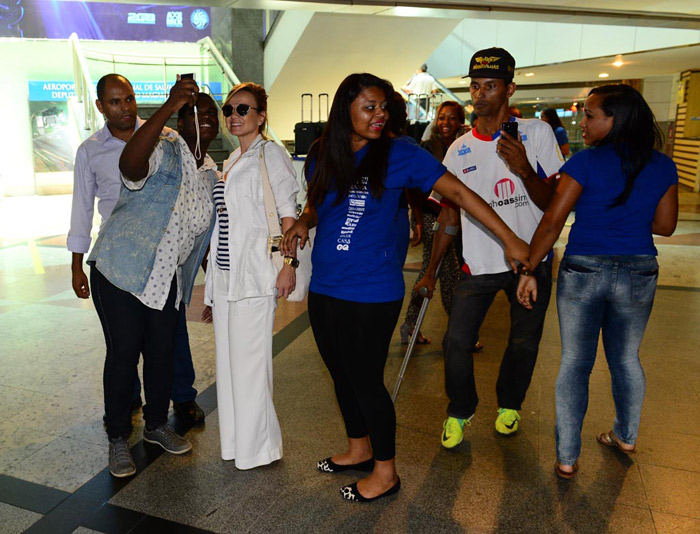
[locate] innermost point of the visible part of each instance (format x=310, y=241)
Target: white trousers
x=250, y=432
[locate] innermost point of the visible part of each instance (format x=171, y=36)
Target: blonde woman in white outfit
x=243, y=284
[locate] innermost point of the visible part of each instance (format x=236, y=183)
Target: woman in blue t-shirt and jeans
x=356, y=175
x=624, y=191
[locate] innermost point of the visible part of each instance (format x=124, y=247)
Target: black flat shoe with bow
x=351, y=492
x=329, y=466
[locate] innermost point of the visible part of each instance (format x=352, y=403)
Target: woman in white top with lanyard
x=243, y=284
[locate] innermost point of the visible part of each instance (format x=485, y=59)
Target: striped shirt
x=222, y=255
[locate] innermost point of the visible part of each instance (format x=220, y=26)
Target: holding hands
x=298, y=233
x=527, y=289
x=516, y=251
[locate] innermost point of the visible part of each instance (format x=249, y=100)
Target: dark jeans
x=131, y=328
x=472, y=297
x=353, y=339
x=183, y=369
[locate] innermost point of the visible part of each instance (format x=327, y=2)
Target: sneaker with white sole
x=121, y=463
x=507, y=421
x=167, y=438
x=453, y=431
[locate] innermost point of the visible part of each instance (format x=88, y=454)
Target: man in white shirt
x=421, y=83
x=516, y=176
x=96, y=174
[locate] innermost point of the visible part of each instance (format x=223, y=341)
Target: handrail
x=84, y=91
x=449, y=93
x=165, y=62
x=158, y=58
x=207, y=44
x=428, y=111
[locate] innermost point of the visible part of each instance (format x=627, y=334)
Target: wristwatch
x=524, y=271
x=292, y=262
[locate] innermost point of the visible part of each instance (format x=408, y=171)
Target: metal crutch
x=412, y=342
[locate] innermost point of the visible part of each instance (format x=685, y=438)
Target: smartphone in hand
x=511, y=128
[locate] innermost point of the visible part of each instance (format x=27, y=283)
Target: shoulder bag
x=303, y=272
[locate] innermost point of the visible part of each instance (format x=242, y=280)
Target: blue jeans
x=613, y=294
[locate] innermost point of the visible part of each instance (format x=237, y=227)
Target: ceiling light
x=618, y=61
x=402, y=11
x=603, y=75
x=528, y=74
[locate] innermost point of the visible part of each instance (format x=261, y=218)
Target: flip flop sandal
x=566, y=475
x=610, y=440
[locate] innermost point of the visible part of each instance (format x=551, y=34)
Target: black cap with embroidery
x=491, y=63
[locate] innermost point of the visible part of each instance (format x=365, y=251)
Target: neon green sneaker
x=453, y=431
x=507, y=421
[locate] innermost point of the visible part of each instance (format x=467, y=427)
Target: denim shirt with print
x=125, y=250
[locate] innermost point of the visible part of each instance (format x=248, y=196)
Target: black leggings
x=353, y=339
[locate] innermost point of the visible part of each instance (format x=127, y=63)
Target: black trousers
x=471, y=299
x=130, y=329
x=353, y=339
x=183, y=369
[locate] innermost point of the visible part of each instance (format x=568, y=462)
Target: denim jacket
x=126, y=248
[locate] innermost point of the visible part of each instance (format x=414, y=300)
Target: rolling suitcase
x=322, y=123
x=305, y=132
x=436, y=100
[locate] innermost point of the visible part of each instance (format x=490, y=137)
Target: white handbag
x=303, y=272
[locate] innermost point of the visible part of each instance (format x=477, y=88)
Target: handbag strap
x=273, y=221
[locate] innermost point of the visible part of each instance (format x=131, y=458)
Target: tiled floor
x=53, y=450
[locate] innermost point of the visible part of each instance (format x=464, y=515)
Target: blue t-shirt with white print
x=355, y=254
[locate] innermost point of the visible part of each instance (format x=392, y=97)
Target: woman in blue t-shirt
x=356, y=175
x=550, y=116
x=624, y=191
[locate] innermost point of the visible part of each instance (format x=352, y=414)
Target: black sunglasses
x=241, y=109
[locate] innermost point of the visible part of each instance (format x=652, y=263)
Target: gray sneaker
x=167, y=438
x=121, y=464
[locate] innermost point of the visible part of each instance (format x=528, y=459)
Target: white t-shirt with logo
x=473, y=159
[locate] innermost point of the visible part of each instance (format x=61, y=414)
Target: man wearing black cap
x=515, y=176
